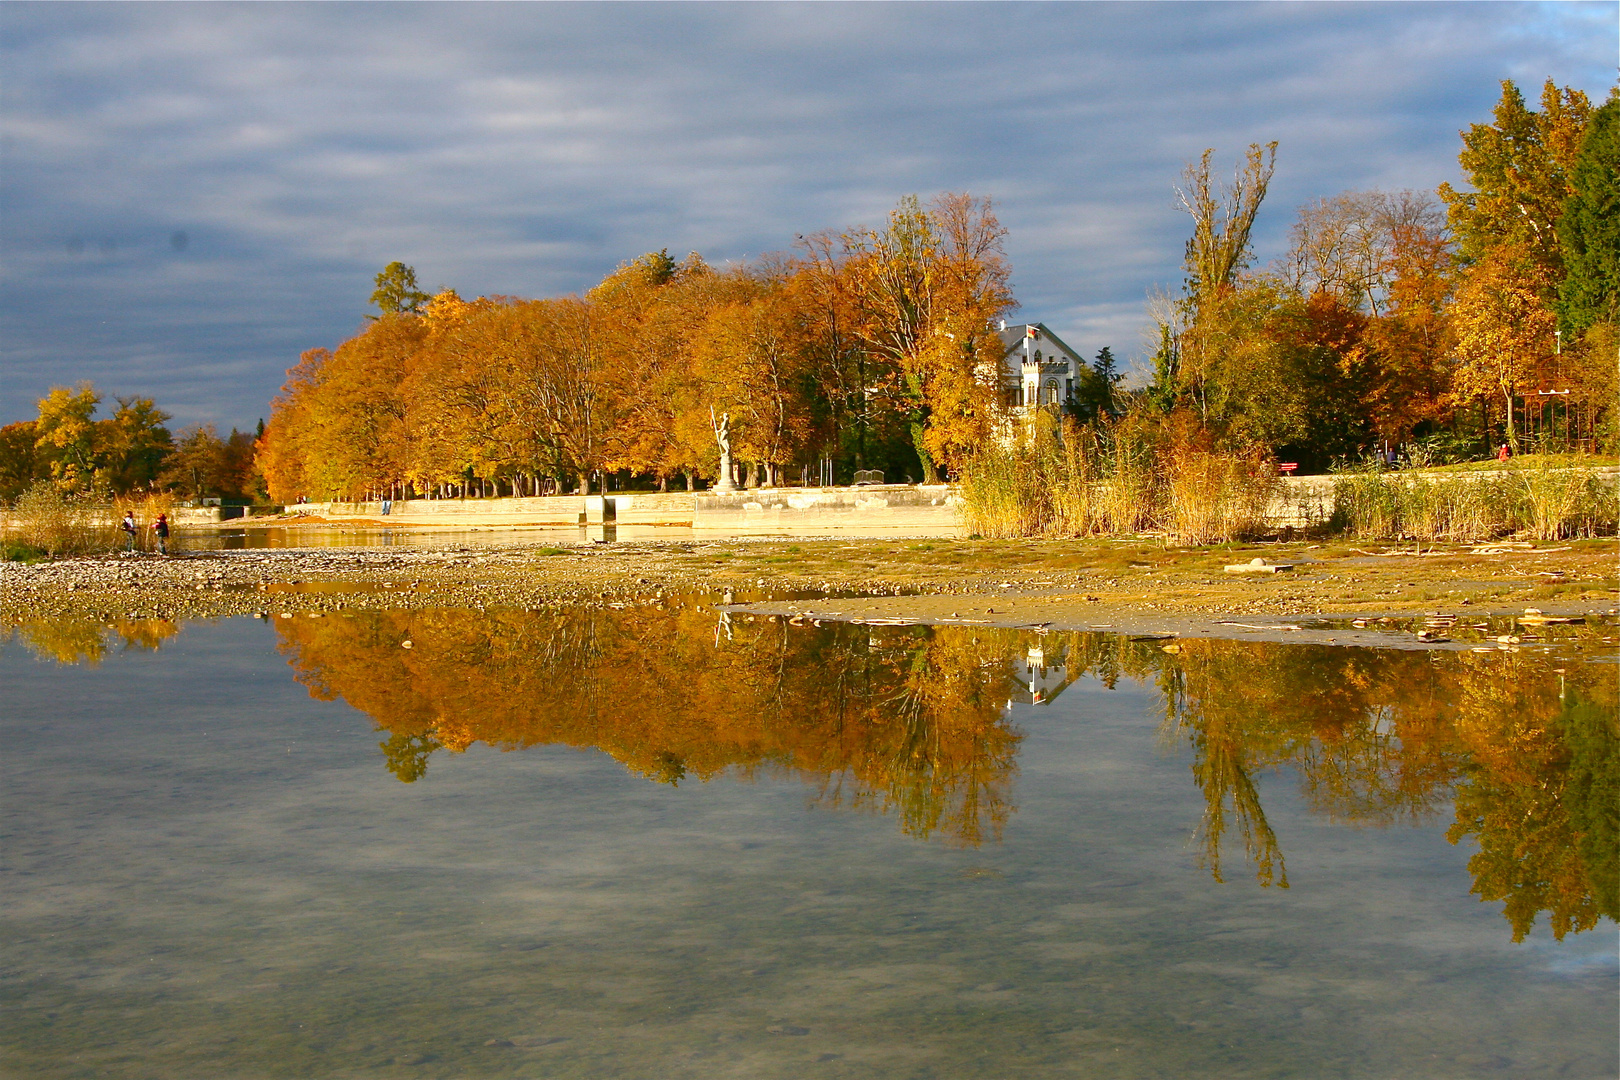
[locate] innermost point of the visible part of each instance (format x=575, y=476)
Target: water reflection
x=1526, y=745
x=906, y=722
x=1522, y=746
x=86, y=641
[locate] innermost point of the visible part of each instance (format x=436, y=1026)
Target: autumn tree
x=134, y=443
x=1413, y=337
x=751, y=361
x=1374, y=273
x=1503, y=330
x=18, y=465
x=552, y=371
x=1519, y=168
x=65, y=435
x=842, y=368
x=656, y=309
x=284, y=451
x=1212, y=323
x=198, y=466
x=927, y=289
x=459, y=422
x=1507, y=231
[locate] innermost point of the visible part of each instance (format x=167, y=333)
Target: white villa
x=1037, y=368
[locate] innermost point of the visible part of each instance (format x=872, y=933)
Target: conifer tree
x=1589, y=231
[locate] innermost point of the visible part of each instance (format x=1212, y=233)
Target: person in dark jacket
x=161, y=528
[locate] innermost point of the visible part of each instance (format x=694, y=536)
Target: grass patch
x=18, y=551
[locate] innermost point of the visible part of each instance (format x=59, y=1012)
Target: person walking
x=161, y=528
x=128, y=525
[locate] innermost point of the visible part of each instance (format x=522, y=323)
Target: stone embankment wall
x=921, y=510
x=1301, y=501
x=903, y=509
x=630, y=508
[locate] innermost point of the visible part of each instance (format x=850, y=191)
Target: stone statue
x=722, y=435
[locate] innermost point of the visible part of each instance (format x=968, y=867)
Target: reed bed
x=1538, y=501
x=47, y=521
x=1088, y=481
x=1126, y=479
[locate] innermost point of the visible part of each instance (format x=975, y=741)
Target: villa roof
x=1014, y=334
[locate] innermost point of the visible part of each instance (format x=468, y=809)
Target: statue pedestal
x=725, y=482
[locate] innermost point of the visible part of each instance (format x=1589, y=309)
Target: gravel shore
x=1129, y=586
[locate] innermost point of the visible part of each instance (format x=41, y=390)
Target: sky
x=193, y=194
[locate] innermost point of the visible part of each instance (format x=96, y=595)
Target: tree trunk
x=691, y=481
x=584, y=483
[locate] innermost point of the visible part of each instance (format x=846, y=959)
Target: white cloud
x=528, y=149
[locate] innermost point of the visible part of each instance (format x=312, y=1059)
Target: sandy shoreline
x=1133, y=587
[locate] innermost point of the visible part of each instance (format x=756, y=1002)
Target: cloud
x=527, y=149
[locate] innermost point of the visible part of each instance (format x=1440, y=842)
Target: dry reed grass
x=54, y=522
x=1118, y=480
x=1542, y=501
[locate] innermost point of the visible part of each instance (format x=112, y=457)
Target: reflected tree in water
x=1540, y=792
x=86, y=641
x=913, y=723
x=1525, y=745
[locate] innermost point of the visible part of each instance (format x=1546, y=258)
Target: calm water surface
x=663, y=842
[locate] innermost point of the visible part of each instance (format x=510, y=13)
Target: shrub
x=61, y=523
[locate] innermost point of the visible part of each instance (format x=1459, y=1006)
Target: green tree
x=134, y=443
x=396, y=290
x=1213, y=315
x=1589, y=231
x=1519, y=169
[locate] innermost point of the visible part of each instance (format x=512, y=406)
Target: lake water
x=662, y=841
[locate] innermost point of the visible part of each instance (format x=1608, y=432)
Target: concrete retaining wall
x=630, y=508
x=889, y=508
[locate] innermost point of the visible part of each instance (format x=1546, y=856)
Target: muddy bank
x=1137, y=586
